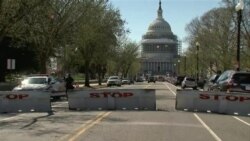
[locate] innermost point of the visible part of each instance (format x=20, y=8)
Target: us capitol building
x=159, y=48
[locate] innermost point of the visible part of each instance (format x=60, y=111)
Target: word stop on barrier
x=218, y=102
x=111, y=99
x=24, y=101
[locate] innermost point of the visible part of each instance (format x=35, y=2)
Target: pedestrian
x=69, y=83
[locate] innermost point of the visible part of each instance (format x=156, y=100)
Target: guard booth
x=215, y=102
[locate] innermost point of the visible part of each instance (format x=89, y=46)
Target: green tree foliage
x=97, y=35
x=125, y=60
x=216, y=32
x=49, y=26
x=79, y=33
x=12, y=14
x=128, y=57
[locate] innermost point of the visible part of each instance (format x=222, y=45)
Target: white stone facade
x=159, y=48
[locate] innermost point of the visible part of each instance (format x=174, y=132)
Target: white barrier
x=217, y=102
x=112, y=99
x=24, y=101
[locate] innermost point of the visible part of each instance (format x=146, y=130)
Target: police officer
x=69, y=82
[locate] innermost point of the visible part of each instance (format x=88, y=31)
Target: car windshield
x=36, y=81
x=114, y=77
x=190, y=79
x=225, y=75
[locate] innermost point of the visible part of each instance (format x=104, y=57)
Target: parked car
x=189, y=82
x=44, y=83
x=233, y=81
x=179, y=80
x=209, y=83
x=139, y=79
x=151, y=79
x=127, y=81
x=114, y=81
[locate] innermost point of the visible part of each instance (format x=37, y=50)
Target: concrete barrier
x=217, y=102
x=24, y=101
x=112, y=99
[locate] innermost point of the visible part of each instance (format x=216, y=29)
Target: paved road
x=165, y=124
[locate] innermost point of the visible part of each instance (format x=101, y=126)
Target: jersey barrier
x=112, y=99
x=215, y=102
x=24, y=101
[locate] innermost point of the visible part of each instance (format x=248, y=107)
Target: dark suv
x=151, y=79
x=233, y=81
x=179, y=80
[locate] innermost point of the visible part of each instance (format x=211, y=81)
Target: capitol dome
x=159, y=27
x=159, y=48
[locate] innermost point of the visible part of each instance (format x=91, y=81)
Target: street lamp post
x=197, y=60
x=185, y=65
x=174, y=69
x=239, y=7
x=179, y=66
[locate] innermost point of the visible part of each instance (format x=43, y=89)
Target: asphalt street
x=164, y=124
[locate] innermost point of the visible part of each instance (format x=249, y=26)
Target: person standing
x=69, y=83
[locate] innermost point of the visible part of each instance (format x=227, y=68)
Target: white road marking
x=208, y=128
x=10, y=118
x=141, y=123
x=202, y=122
x=248, y=124
x=170, y=89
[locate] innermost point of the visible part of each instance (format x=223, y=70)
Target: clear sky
x=178, y=13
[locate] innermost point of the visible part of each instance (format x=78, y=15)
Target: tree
x=97, y=34
x=128, y=56
x=49, y=28
x=215, y=33
x=12, y=13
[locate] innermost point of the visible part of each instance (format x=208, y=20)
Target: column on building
x=165, y=66
x=162, y=66
x=151, y=68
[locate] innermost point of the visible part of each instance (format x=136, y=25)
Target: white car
x=114, y=81
x=189, y=82
x=44, y=83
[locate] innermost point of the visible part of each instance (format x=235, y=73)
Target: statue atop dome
x=160, y=11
